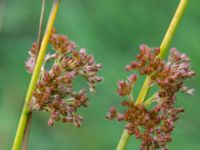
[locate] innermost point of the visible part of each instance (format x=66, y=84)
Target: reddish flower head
x=54, y=91
x=154, y=125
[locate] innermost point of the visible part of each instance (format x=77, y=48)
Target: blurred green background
x=112, y=31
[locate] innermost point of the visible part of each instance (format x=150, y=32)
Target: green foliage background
x=112, y=31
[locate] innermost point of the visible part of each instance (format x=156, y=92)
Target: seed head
x=54, y=90
x=154, y=125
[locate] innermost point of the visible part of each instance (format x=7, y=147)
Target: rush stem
x=39, y=41
x=164, y=48
x=26, y=108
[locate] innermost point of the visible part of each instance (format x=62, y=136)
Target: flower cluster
x=54, y=91
x=154, y=125
x=147, y=61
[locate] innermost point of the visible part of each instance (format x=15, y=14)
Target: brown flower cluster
x=154, y=125
x=54, y=91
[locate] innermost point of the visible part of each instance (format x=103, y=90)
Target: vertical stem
x=173, y=27
x=164, y=47
x=39, y=40
x=27, y=131
x=26, y=109
x=124, y=139
x=144, y=91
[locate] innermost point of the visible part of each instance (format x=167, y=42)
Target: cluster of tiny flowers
x=154, y=125
x=54, y=91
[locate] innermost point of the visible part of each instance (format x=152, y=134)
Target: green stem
x=149, y=101
x=164, y=48
x=27, y=131
x=124, y=139
x=39, y=41
x=173, y=27
x=26, y=109
x=144, y=91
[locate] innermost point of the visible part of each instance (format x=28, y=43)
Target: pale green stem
x=124, y=139
x=39, y=40
x=173, y=27
x=26, y=109
x=144, y=91
x=150, y=100
x=164, y=48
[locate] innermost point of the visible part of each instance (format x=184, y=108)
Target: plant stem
x=123, y=141
x=39, y=41
x=149, y=101
x=26, y=109
x=164, y=47
x=173, y=27
x=27, y=131
x=144, y=91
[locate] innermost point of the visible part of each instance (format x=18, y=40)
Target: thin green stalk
x=124, y=139
x=164, y=48
x=144, y=91
x=26, y=132
x=150, y=100
x=39, y=41
x=173, y=27
x=26, y=109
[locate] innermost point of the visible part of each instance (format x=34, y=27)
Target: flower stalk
x=163, y=49
x=27, y=105
x=40, y=31
x=39, y=40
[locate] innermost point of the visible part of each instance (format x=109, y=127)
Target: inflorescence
x=154, y=125
x=54, y=91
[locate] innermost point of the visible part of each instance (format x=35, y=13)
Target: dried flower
x=54, y=91
x=154, y=126
x=125, y=87
x=30, y=63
